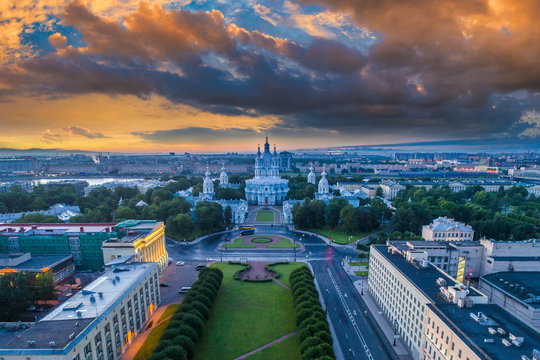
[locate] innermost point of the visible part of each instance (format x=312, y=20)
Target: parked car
x=164, y=284
x=200, y=266
x=180, y=263
x=184, y=290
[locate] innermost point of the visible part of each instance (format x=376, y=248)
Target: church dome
x=223, y=177
x=311, y=176
x=324, y=187
x=208, y=184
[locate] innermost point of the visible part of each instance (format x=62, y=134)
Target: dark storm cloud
x=441, y=69
x=192, y=135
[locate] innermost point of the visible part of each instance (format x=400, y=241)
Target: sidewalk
x=400, y=349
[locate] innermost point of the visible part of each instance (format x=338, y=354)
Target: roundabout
x=261, y=242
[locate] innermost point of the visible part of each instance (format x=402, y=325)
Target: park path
x=134, y=347
x=267, y=345
x=282, y=284
x=257, y=271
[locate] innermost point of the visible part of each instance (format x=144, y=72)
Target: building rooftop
x=54, y=229
x=425, y=278
x=133, y=230
x=523, y=286
x=35, y=263
x=446, y=224
x=72, y=320
x=475, y=333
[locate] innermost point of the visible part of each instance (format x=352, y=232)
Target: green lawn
x=168, y=312
x=238, y=244
x=261, y=240
x=361, y=273
x=285, y=350
x=151, y=341
x=265, y=215
x=339, y=236
x=246, y=316
x=359, y=263
x=285, y=271
x=285, y=243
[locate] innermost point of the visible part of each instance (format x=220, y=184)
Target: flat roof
x=38, y=262
x=424, y=278
x=524, y=284
x=78, y=315
x=475, y=333
x=42, y=229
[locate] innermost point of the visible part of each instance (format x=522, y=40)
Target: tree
x=227, y=215
x=348, y=218
x=333, y=211
x=37, y=218
x=124, y=213
x=379, y=192
x=44, y=286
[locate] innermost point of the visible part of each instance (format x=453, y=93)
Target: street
x=355, y=334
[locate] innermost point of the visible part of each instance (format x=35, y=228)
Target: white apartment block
x=403, y=287
x=457, y=186
x=99, y=322
x=390, y=190
x=445, y=229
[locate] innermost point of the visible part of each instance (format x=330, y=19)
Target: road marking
x=355, y=326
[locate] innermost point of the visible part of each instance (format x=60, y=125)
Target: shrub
x=170, y=333
x=208, y=292
x=309, y=342
x=198, y=297
x=308, y=331
x=186, y=343
x=304, y=297
x=313, y=353
x=174, y=352
x=196, y=313
x=309, y=321
x=163, y=344
x=308, y=304
x=195, y=322
x=201, y=308
x=210, y=275
x=189, y=332
x=325, y=336
x=326, y=357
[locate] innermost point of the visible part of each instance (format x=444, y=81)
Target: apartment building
x=403, y=285
x=143, y=239
x=98, y=322
x=445, y=229
x=518, y=292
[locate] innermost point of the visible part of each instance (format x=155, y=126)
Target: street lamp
x=326, y=302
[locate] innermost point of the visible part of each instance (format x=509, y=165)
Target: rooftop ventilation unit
x=516, y=340
x=100, y=295
x=441, y=281
x=480, y=317
x=52, y=344
x=71, y=336
x=489, y=341
x=501, y=331
x=424, y=263
x=492, y=331
x=79, y=314
x=536, y=354
x=92, y=298
x=525, y=357
x=31, y=343
x=506, y=343
x=117, y=278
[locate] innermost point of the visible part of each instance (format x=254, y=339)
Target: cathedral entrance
x=266, y=200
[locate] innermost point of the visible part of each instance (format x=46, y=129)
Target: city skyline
x=165, y=76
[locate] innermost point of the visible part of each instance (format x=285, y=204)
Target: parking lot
x=177, y=277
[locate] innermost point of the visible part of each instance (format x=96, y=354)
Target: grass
x=361, y=273
x=261, y=240
x=265, y=215
x=239, y=244
x=284, y=243
x=340, y=236
x=246, y=316
x=168, y=312
x=285, y=271
x=285, y=350
x=151, y=341
x=359, y=263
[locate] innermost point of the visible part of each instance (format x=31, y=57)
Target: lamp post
x=326, y=302
x=294, y=247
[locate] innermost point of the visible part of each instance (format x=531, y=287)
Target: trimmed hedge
x=187, y=324
x=313, y=330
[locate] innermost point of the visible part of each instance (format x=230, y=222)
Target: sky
x=209, y=76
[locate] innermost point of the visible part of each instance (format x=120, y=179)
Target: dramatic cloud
x=55, y=135
x=422, y=69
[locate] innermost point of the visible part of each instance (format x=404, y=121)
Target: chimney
x=107, y=229
x=81, y=229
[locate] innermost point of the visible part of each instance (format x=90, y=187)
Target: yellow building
x=144, y=239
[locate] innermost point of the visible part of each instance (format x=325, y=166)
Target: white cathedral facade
x=267, y=187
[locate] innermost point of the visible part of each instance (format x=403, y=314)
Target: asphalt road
x=357, y=336
x=346, y=309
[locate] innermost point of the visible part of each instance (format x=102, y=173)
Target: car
x=200, y=266
x=164, y=284
x=76, y=287
x=180, y=263
x=184, y=290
